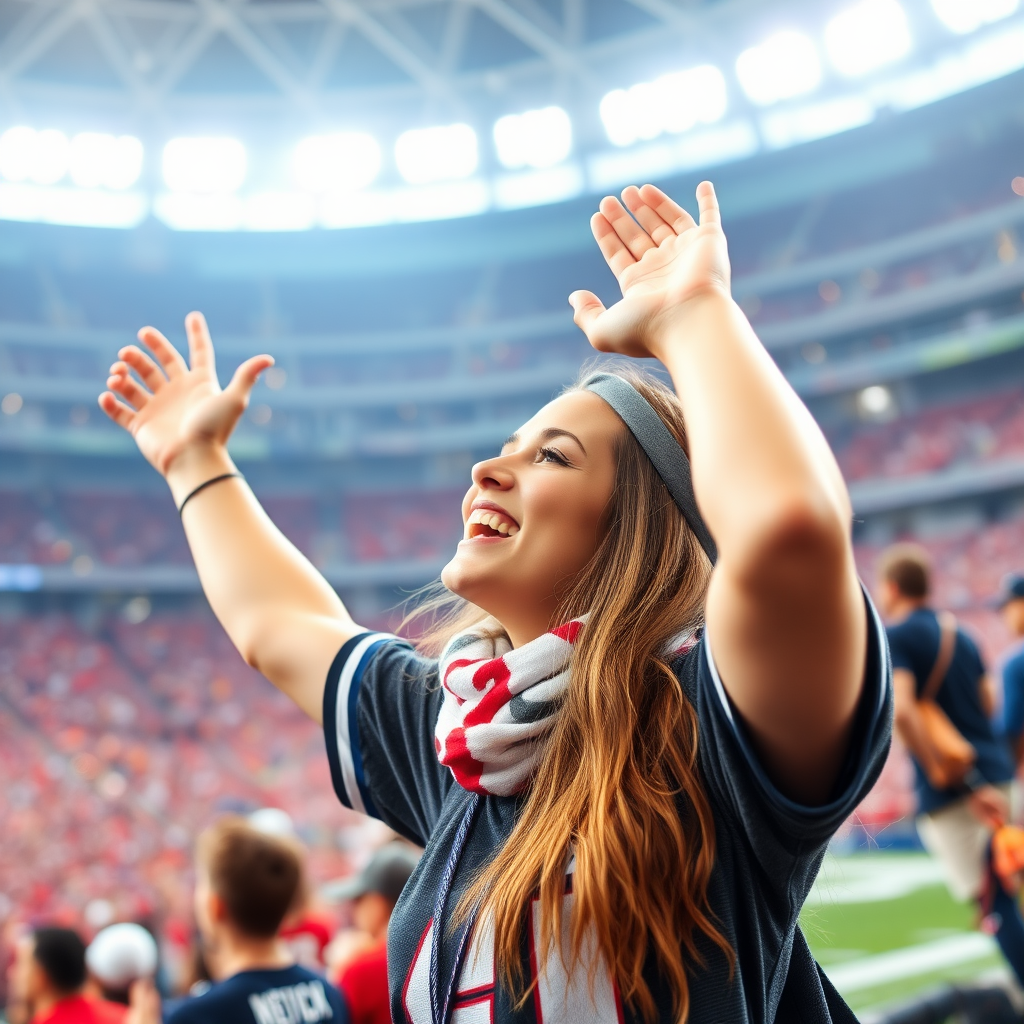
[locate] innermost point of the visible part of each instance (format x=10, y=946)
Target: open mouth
x=485, y=522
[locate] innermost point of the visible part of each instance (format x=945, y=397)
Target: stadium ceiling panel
x=312, y=55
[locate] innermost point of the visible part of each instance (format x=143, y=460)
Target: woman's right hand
x=181, y=410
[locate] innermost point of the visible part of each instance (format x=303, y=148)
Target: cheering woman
x=662, y=693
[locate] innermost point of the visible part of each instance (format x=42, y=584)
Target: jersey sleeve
x=779, y=830
x=380, y=705
x=907, y=646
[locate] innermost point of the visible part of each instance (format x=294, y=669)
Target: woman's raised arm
x=785, y=615
x=285, y=619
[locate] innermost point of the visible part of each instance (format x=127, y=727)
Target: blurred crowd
x=972, y=431
x=261, y=941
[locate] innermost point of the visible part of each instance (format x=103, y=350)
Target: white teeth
x=493, y=520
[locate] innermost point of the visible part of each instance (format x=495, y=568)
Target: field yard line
x=883, y=877
x=905, y=963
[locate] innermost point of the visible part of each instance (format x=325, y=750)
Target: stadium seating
x=118, y=742
x=974, y=430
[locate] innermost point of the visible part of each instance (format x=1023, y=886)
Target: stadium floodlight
x=279, y=211
x=435, y=154
x=688, y=98
x=340, y=161
x=784, y=65
x=50, y=157
x=867, y=36
x=963, y=16
x=536, y=138
x=81, y=207
x=672, y=103
x=204, y=165
x=100, y=160
x=28, y=155
x=17, y=148
x=876, y=402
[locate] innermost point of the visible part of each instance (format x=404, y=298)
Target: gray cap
x=387, y=872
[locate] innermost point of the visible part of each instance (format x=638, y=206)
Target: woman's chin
x=467, y=578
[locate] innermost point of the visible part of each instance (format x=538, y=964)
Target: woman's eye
x=553, y=455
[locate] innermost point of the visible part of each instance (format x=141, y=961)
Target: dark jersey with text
x=291, y=995
x=380, y=707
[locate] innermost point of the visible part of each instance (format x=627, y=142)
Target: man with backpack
x=944, y=706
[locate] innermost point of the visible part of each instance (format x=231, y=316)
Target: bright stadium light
x=784, y=65
x=17, y=148
x=28, y=155
x=696, y=96
x=963, y=16
x=435, y=154
x=50, y=159
x=204, y=165
x=867, y=36
x=343, y=160
x=85, y=208
x=671, y=103
x=100, y=160
x=536, y=138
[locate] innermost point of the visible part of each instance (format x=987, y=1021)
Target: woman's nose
x=492, y=475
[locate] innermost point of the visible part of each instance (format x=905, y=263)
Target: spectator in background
x=1011, y=604
x=933, y=659
x=358, y=956
x=305, y=931
x=47, y=978
x=117, y=957
x=246, y=881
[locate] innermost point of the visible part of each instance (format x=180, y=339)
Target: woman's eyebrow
x=546, y=435
x=552, y=432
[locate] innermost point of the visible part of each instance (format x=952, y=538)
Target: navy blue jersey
x=290, y=995
x=1013, y=697
x=914, y=643
x=380, y=707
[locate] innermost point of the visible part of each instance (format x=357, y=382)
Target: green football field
x=884, y=927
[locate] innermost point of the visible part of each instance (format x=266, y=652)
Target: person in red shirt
x=358, y=956
x=48, y=975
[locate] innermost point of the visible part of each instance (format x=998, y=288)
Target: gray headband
x=664, y=451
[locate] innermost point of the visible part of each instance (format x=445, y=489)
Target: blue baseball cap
x=1012, y=589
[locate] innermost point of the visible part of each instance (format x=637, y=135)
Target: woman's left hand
x=663, y=261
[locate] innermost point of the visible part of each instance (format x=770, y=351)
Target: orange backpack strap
x=947, y=644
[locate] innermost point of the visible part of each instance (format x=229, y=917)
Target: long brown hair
x=618, y=788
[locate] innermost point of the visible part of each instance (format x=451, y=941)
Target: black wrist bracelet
x=215, y=480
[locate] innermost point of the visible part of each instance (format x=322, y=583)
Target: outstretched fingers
x=586, y=308
x=169, y=357
x=667, y=209
x=246, y=376
x=650, y=220
x=707, y=202
x=615, y=253
x=200, y=345
x=151, y=374
x=121, y=382
x=631, y=234
x=120, y=413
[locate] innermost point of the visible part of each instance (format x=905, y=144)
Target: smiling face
x=534, y=515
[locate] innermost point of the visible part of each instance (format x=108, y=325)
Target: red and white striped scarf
x=500, y=704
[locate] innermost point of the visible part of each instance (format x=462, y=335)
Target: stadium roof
x=293, y=114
